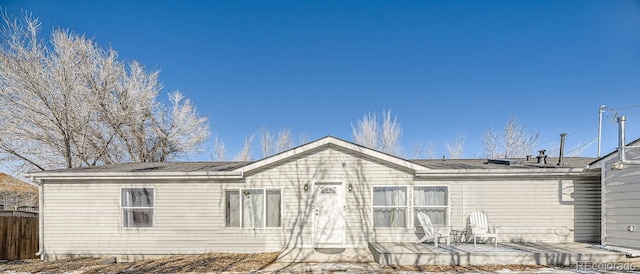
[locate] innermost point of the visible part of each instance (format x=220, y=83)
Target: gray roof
x=230, y=166
x=158, y=167
x=552, y=162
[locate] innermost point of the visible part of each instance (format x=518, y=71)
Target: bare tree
x=416, y=151
x=245, y=152
x=512, y=143
x=270, y=144
x=378, y=133
x=219, y=150
x=67, y=102
x=431, y=151
x=304, y=138
x=455, y=151
x=285, y=140
x=267, y=142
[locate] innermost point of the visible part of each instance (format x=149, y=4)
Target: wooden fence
x=18, y=237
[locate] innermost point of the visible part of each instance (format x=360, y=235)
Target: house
x=327, y=193
x=621, y=197
x=16, y=194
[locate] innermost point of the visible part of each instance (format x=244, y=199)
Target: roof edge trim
x=330, y=140
x=132, y=175
x=444, y=173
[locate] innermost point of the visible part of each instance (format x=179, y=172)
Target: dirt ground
x=214, y=262
x=211, y=262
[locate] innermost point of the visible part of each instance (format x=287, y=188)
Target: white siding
x=189, y=218
x=85, y=218
x=550, y=210
x=622, y=202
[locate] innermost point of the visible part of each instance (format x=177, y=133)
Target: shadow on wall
x=298, y=231
x=587, y=208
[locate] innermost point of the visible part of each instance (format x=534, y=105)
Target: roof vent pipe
x=621, y=121
x=541, y=156
x=561, y=157
x=622, y=158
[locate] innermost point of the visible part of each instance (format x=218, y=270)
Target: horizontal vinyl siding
x=530, y=210
x=330, y=166
x=622, y=198
x=188, y=218
x=85, y=218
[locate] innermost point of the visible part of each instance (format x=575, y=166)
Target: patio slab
x=536, y=253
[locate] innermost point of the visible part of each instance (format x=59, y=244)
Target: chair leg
x=474, y=240
x=496, y=241
x=435, y=241
x=448, y=241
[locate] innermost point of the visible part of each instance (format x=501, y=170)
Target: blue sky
x=445, y=68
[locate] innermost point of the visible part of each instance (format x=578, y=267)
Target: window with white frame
x=137, y=207
x=432, y=200
x=253, y=208
x=389, y=206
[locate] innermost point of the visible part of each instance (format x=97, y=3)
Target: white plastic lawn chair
x=429, y=230
x=480, y=227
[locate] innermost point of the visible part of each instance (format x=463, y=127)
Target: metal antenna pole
x=600, y=111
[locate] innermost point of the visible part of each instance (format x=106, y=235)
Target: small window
x=253, y=208
x=137, y=207
x=389, y=206
x=432, y=200
x=328, y=190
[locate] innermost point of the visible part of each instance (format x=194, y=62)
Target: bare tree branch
x=431, y=151
x=381, y=134
x=455, y=151
x=514, y=141
x=245, y=153
x=67, y=102
x=219, y=150
x=267, y=142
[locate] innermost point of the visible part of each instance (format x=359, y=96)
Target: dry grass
x=211, y=262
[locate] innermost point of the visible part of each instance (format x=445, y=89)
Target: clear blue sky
x=445, y=68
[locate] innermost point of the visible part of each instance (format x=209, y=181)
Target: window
x=137, y=207
x=432, y=200
x=253, y=208
x=389, y=206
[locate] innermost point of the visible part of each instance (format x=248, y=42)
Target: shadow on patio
x=526, y=253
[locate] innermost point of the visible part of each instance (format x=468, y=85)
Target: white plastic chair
x=480, y=227
x=429, y=230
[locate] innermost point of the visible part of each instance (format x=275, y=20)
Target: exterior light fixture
x=306, y=187
x=350, y=187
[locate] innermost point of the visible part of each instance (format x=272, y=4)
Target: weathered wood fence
x=18, y=237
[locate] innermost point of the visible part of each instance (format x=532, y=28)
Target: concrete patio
x=528, y=253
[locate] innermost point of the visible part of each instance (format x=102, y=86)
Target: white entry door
x=329, y=211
